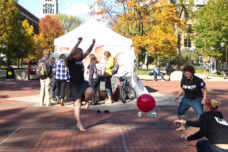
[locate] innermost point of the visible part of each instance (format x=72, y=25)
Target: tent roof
x=93, y=29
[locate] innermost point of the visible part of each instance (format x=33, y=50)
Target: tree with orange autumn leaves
x=50, y=28
x=150, y=24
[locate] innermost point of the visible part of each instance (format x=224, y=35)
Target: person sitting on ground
x=195, y=93
x=157, y=72
x=212, y=126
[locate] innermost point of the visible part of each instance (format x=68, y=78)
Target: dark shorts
x=78, y=90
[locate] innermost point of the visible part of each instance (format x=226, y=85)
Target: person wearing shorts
x=78, y=85
x=195, y=93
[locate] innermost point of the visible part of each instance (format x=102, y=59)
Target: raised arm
x=71, y=55
x=89, y=49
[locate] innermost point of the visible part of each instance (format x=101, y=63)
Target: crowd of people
x=64, y=79
x=68, y=72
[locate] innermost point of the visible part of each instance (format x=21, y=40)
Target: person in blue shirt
x=61, y=73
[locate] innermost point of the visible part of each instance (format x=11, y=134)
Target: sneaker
x=61, y=102
x=108, y=102
x=50, y=104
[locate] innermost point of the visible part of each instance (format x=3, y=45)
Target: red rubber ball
x=146, y=103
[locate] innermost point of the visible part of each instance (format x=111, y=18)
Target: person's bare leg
x=77, y=109
x=88, y=96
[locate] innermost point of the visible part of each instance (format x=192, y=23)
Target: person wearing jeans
x=195, y=93
x=211, y=125
x=108, y=74
x=94, y=79
x=61, y=74
x=157, y=72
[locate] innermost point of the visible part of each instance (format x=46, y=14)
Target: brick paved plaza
x=28, y=128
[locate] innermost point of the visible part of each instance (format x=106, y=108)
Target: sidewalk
x=30, y=128
x=177, y=75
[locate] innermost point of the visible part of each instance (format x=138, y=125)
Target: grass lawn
x=2, y=77
x=143, y=71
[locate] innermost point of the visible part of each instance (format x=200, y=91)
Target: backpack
x=43, y=70
x=115, y=67
x=100, y=70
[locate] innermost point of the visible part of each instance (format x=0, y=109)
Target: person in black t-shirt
x=212, y=126
x=78, y=85
x=195, y=93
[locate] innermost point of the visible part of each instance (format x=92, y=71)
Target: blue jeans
x=108, y=85
x=187, y=103
x=156, y=74
x=205, y=146
x=53, y=88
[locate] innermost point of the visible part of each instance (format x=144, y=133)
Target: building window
x=189, y=29
x=187, y=43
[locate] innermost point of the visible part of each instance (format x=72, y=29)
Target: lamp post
x=222, y=46
x=1, y=48
x=187, y=49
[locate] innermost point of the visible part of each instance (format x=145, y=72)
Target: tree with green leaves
x=16, y=40
x=69, y=22
x=212, y=28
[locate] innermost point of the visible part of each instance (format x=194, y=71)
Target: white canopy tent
x=106, y=40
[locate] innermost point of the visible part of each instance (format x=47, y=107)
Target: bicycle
x=126, y=91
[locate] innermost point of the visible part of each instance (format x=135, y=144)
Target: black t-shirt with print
x=193, y=88
x=76, y=71
x=213, y=126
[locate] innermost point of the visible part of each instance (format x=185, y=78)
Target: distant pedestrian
x=43, y=71
x=224, y=69
x=206, y=68
x=169, y=70
x=78, y=86
x=61, y=73
x=147, y=64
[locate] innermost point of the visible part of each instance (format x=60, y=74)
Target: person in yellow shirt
x=108, y=74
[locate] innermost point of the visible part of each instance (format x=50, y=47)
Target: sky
x=79, y=8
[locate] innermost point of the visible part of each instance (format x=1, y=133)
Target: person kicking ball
x=78, y=85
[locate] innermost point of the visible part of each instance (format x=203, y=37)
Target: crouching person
x=212, y=126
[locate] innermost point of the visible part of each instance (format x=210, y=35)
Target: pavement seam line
x=13, y=133
x=124, y=142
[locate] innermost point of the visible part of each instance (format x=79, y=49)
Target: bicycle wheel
x=123, y=95
x=131, y=93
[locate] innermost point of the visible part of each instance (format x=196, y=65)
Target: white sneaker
x=108, y=102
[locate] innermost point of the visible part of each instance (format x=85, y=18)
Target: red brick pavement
x=32, y=129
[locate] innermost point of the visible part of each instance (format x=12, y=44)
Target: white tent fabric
x=106, y=40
